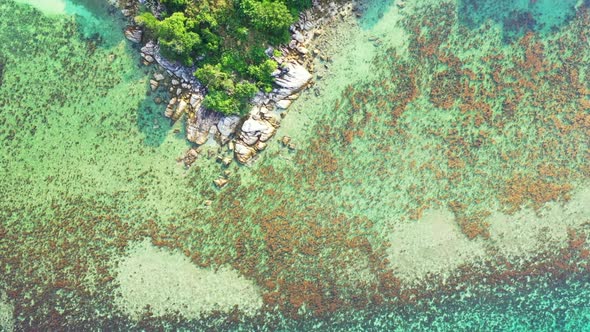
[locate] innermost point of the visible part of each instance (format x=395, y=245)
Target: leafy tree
x=242, y=33
x=175, y=5
x=223, y=94
x=176, y=40
x=148, y=20
x=221, y=102
x=228, y=38
x=245, y=90
x=214, y=77
x=268, y=16
x=233, y=61
x=262, y=74
x=298, y=5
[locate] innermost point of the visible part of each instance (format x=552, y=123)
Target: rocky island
x=247, y=125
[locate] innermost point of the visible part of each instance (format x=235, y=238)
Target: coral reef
x=452, y=118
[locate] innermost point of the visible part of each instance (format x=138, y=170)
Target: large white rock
x=254, y=130
x=295, y=78
x=284, y=103
x=227, y=126
x=252, y=127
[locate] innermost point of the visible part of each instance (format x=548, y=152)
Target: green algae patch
x=166, y=282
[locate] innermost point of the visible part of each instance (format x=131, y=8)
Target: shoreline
x=245, y=136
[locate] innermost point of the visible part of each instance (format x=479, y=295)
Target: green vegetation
x=226, y=39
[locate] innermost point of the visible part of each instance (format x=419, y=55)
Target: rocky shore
x=244, y=136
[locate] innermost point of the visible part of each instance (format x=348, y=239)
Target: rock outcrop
x=243, y=152
x=258, y=128
x=245, y=136
x=134, y=34
x=227, y=127
x=292, y=80
x=263, y=122
x=199, y=124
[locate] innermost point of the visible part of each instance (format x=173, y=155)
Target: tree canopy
x=226, y=40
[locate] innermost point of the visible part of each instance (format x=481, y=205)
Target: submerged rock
x=226, y=161
x=169, y=113
x=243, y=152
x=286, y=140
x=153, y=85
x=260, y=146
x=190, y=157
x=221, y=182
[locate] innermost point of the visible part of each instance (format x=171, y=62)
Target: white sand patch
x=527, y=233
x=168, y=282
x=47, y=6
x=6, y=313
x=433, y=244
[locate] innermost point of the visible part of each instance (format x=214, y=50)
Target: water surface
x=439, y=180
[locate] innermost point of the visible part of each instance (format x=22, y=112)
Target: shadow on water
x=517, y=17
x=373, y=12
x=97, y=21
x=96, y=7
x=152, y=122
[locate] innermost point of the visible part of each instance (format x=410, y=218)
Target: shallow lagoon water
x=396, y=170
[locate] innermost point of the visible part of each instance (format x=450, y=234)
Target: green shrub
x=262, y=74
x=272, y=17
x=242, y=33
x=229, y=37
x=222, y=102
x=175, y=5
x=176, y=40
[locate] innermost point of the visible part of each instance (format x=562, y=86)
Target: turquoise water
x=439, y=180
